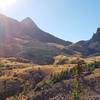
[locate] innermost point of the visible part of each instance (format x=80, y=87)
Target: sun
x=4, y=4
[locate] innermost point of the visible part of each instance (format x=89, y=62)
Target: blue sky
x=71, y=20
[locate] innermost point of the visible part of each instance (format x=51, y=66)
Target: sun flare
x=4, y=4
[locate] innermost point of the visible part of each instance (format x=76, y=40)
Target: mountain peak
x=28, y=19
x=96, y=36
x=29, y=22
x=98, y=30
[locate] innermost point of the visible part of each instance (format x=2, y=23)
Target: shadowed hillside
x=25, y=39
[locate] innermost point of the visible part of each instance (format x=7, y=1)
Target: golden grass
x=20, y=68
x=97, y=72
x=5, y=77
x=23, y=68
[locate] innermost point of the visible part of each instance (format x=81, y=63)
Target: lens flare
x=4, y=4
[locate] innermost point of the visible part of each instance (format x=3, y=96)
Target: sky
x=71, y=20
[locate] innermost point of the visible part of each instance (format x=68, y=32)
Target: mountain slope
x=25, y=39
x=90, y=47
x=37, y=33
